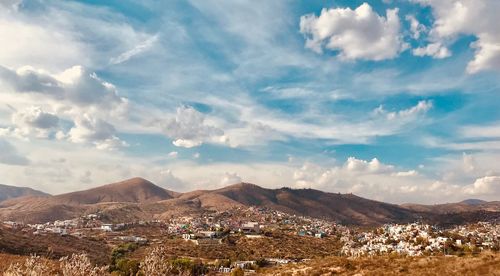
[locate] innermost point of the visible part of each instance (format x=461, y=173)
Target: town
x=249, y=238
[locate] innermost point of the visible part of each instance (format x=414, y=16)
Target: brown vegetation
x=483, y=264
x=53, y=246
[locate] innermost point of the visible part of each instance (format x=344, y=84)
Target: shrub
x=80, y=265
x=126, y=267
x=156, y=263
x=32, y=266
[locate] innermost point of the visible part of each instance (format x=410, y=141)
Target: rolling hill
x=9, y=192
x=345, y=208
x=138, y=199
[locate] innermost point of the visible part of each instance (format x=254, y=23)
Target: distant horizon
x=395, y=101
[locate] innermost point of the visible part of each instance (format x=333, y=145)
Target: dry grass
x=484, y=264
x=242, y=248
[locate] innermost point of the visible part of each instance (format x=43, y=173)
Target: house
x=224, y=269
x=250, y=228
x=319, y=235
x=107, y=227
x=188, y=236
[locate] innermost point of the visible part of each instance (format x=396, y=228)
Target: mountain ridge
x=8, y=192
x=140, y=199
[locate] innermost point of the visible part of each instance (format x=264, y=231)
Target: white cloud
x=95, y=131
x=75, y=86
x=173, y=154
x=435, y=50
x=419, y=108
x=488, y=185
x=188, y=129
x=469, y=162
x=357, y=34
x=230, y=178
x=469, y=17
x=409, y=173
x=33, y=121
x=481, y=131
x=140, y=48
x=170, y=181
x=21, y=40
x=361, y=166
x=415, y=27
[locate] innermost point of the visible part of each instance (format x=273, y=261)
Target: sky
x=396, y=101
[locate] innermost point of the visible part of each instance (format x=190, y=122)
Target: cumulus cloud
x=74, y=86
x=415, y=27
x=361, y=166
x=230, y=178
x=188, y=129
x=170, y=181
x=419, y=108
x=34, y=121
x=469, y=17
x=488, y=185
x=435, y=50
x=356, y=34
x=76, y=94
x=10, y=156
x=88, y=129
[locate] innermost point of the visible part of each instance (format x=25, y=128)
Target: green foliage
x=126, y=267
x=121, y=264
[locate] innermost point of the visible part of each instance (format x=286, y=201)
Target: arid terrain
x=138, y=199
x=243, y=228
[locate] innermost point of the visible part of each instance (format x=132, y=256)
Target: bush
x=126, y=267
x=32, y=266
x=156, y=263
x=80, y=265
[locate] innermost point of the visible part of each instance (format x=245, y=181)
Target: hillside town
x=214, y=229
x=417, y=239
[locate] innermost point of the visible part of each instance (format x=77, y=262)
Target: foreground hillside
x=483, y=264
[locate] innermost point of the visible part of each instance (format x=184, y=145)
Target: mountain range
x=139, y=199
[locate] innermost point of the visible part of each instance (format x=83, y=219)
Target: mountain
x=110, y=198
x=138, y=199
x=473, y=201
x=9, y=192
x=345, y=208
x=137, y=190
x=469, y=205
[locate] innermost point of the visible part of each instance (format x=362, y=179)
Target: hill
x=345, y=208
x=138, y=199
x=9, y=192
x=110, y=197
x=137, y=190
x=472, y=205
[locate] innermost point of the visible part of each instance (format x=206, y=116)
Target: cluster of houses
x=417, y=239
x=210, y=229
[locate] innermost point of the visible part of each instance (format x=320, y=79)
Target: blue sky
x=390, y=100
